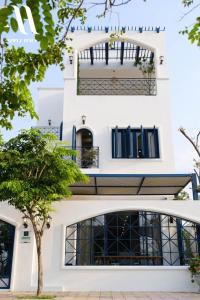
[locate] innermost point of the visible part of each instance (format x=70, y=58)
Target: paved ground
x=115, y=296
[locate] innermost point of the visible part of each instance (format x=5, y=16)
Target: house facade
x=124, y=230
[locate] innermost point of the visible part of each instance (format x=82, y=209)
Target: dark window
x=135, y=143
x=132, y=238
x=7, y=232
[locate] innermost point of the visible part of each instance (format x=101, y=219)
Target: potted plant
x=194, y=268
x=88, y=158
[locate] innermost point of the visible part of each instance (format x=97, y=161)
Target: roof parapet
x=140, y=29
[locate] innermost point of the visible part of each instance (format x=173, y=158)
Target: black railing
x=87, y=157
x=117, y=86
x=57, y=130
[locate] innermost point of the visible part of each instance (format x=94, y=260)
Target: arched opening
x=7, y=232
x=88, y=154
x=84, y=138
x=116, y=68
x=132, y=238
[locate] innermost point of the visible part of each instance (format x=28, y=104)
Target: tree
x=52, y=18
x=19, y=68
x=196, y=145
x=35, y=172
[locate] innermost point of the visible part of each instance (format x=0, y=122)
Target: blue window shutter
x=74, y=137
x=74, y=141
x=116, y=142
x=157, y=152
x=142, y=140
x=61, y=131
x=113, y=143
x=128, y=142
x=124, y=148
x=145, y=143
x=134, y=144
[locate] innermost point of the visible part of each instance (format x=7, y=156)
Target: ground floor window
x=132, y=238
x=7, y=232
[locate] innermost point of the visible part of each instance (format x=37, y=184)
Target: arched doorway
x=84, y=138
x=84, y=143
x=7, y=232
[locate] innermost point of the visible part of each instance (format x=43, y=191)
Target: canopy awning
x=132, y=184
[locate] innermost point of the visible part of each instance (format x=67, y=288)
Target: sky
x=183, y=62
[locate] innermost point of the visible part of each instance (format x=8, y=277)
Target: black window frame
x=129, y=145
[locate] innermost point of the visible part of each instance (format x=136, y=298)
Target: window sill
x=137, y=159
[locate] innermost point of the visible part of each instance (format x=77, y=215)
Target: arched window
x=7, y=232
x=132, y=238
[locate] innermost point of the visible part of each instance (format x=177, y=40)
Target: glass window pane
x=132, y=238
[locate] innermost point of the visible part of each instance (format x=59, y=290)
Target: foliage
x=88, y=157
x=52, y=18
x=194, y=266
x=194, y=141
x=182, y=196
x=34, y=174
x=147, y=68
x=187, y=2
x=20, y=68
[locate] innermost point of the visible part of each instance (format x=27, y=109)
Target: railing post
x=194, y=187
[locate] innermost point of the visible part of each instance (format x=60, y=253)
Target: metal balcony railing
x=117, y=86
x=87, y=157
x=50, y=129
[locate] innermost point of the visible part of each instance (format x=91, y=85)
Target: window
x=131, y=238
x=135, y=143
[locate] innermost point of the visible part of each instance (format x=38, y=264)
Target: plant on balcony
x=147, y=67
x=148, y=70
x=194, y=261
x=194, y=268
x=88, y=157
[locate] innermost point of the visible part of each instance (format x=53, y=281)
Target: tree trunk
x=40, y=265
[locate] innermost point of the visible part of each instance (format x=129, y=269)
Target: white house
x=123, y=231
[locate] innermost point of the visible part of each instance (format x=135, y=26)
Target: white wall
x=50, y=106
x=59, y=277
x=105, y=112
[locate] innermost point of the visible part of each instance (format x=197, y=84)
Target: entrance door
x=84, y=142
x=7, y=232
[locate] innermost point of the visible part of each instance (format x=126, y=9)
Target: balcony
x=87, y=157
x=57, y=130
x=117, y=86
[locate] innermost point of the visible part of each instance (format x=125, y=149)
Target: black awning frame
x=95, y=186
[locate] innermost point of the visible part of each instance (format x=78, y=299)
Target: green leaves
x=35, y=172
x=187, y=3
x=19, y=67
x=14, y=24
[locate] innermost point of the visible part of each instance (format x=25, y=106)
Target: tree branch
x=182, y=130
x=72, y=18
x=191, y=10
x=197, y=139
